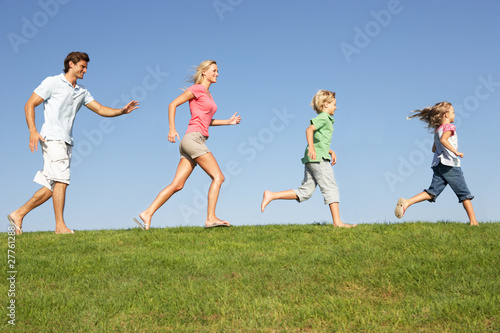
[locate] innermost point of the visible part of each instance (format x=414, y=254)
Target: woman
x=192, y=146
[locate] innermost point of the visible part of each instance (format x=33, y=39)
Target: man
x=62, y=97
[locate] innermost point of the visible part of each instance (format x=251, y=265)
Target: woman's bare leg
x=208, y=163
x=184, y=170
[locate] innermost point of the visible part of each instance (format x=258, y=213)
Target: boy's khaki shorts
x=318, y=174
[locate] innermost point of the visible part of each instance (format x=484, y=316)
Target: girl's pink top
x=447, y=127
x=442, y=154
x=202, y=108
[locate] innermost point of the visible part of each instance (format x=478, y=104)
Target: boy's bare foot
x=266, y=199
x=146, y=220
x=17, y=225
x=474, y=223
x=344, y=225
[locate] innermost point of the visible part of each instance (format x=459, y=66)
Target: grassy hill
x=412, y=277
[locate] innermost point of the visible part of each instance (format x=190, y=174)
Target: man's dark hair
x=75, y=57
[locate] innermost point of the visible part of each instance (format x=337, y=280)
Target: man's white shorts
x=56, y=163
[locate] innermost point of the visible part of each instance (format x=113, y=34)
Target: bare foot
x=16, y=223
x=344, y=225
x=146, y=219
x=474, y=223
x=266, y=199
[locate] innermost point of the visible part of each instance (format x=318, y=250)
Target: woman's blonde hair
x=197, y=77
x=319, y=100
x=433, y=116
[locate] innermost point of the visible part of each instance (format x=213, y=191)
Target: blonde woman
x=446, y=162
x=193, y=149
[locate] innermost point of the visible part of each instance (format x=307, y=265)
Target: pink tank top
x=202, y=108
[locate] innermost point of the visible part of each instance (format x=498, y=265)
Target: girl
x=445, y=164
x=192, y=146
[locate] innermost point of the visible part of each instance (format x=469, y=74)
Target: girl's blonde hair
x=322, y=97
x=197, y=77
x=433, y=116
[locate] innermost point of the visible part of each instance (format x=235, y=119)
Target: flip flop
x=400, y=211
x=217, y=224
x=69, y=232
x=141, y=225
x=11, y=220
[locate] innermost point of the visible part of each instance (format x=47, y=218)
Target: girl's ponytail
x=433, y=116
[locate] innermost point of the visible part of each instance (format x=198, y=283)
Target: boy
x=317, y=159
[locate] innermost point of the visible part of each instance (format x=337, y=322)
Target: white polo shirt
x=61, y=103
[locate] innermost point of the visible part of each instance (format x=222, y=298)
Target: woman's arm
x=234, y=120
x=181, y=99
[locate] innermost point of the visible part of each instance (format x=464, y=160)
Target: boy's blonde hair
x=433, y=116
x=319, y=100
x=203, y=67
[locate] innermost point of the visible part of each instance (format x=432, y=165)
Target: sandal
x=400, y=211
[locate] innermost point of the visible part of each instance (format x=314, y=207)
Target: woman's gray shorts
x=318, y=173
x=193, y=145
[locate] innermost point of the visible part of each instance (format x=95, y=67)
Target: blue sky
x=382, y=58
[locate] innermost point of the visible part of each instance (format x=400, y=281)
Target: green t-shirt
x=322, y=138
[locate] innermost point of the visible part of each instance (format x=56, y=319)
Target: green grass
x=412, y=277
